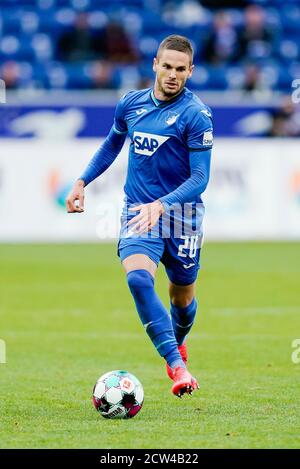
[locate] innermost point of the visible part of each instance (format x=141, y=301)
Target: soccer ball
x=118, y=395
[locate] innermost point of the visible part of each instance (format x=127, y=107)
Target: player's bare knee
x=139, y=262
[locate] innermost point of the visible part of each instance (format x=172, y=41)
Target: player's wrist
x=160, y=206
x=80, y=182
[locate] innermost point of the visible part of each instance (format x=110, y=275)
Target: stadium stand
x=90, y=44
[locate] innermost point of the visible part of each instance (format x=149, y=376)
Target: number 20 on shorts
x=190, y=246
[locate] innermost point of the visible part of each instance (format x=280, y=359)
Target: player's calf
x=183, y=320
x=154, y=316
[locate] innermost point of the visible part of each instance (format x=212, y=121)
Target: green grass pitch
x=67, y=317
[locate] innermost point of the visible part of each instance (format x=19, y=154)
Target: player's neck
x=160, y=96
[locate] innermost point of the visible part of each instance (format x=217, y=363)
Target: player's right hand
x=75, y=199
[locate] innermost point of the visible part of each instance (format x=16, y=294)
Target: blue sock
x=183, y=319
x=154, y=316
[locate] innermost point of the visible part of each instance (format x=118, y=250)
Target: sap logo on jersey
x=147, y=144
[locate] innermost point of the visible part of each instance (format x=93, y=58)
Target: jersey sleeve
x=200, y=131
x=120, y=125
x=104, y=156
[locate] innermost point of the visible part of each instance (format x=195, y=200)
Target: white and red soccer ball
x=118, y=395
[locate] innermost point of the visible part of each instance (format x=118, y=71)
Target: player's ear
x=155, y=61
x=191, y=70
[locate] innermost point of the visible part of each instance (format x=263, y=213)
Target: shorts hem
x=131, y=251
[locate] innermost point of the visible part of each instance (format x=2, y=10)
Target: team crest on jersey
x=172, y=117
x=147, y=144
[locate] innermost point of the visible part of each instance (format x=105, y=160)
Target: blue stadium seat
x=289, y=50
x=11, y=20
x=290, y=17
x=12, y=48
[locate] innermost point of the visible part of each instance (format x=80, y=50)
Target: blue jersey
x=162, y=136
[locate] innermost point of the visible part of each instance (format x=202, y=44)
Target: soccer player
x=170, y=131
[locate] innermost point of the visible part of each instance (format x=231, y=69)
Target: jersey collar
x=159, y=103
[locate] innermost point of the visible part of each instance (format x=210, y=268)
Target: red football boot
x=183, y=382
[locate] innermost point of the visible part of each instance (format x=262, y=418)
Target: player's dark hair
x=176, y=42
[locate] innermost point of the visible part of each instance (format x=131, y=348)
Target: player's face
x=172, y=69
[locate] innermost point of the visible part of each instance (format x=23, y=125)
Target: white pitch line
x=257, y=309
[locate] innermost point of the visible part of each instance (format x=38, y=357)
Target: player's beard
x=167, y=92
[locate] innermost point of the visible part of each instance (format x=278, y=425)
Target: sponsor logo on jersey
x=206, y=112
x=147, y=144
x=208, y=138
x=141, y=111
x=172, y=117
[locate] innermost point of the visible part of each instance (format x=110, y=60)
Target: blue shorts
x=177, y=249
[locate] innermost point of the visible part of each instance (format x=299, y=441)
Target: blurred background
x=65, y=63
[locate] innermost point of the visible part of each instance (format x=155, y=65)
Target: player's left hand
x=148, y=216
